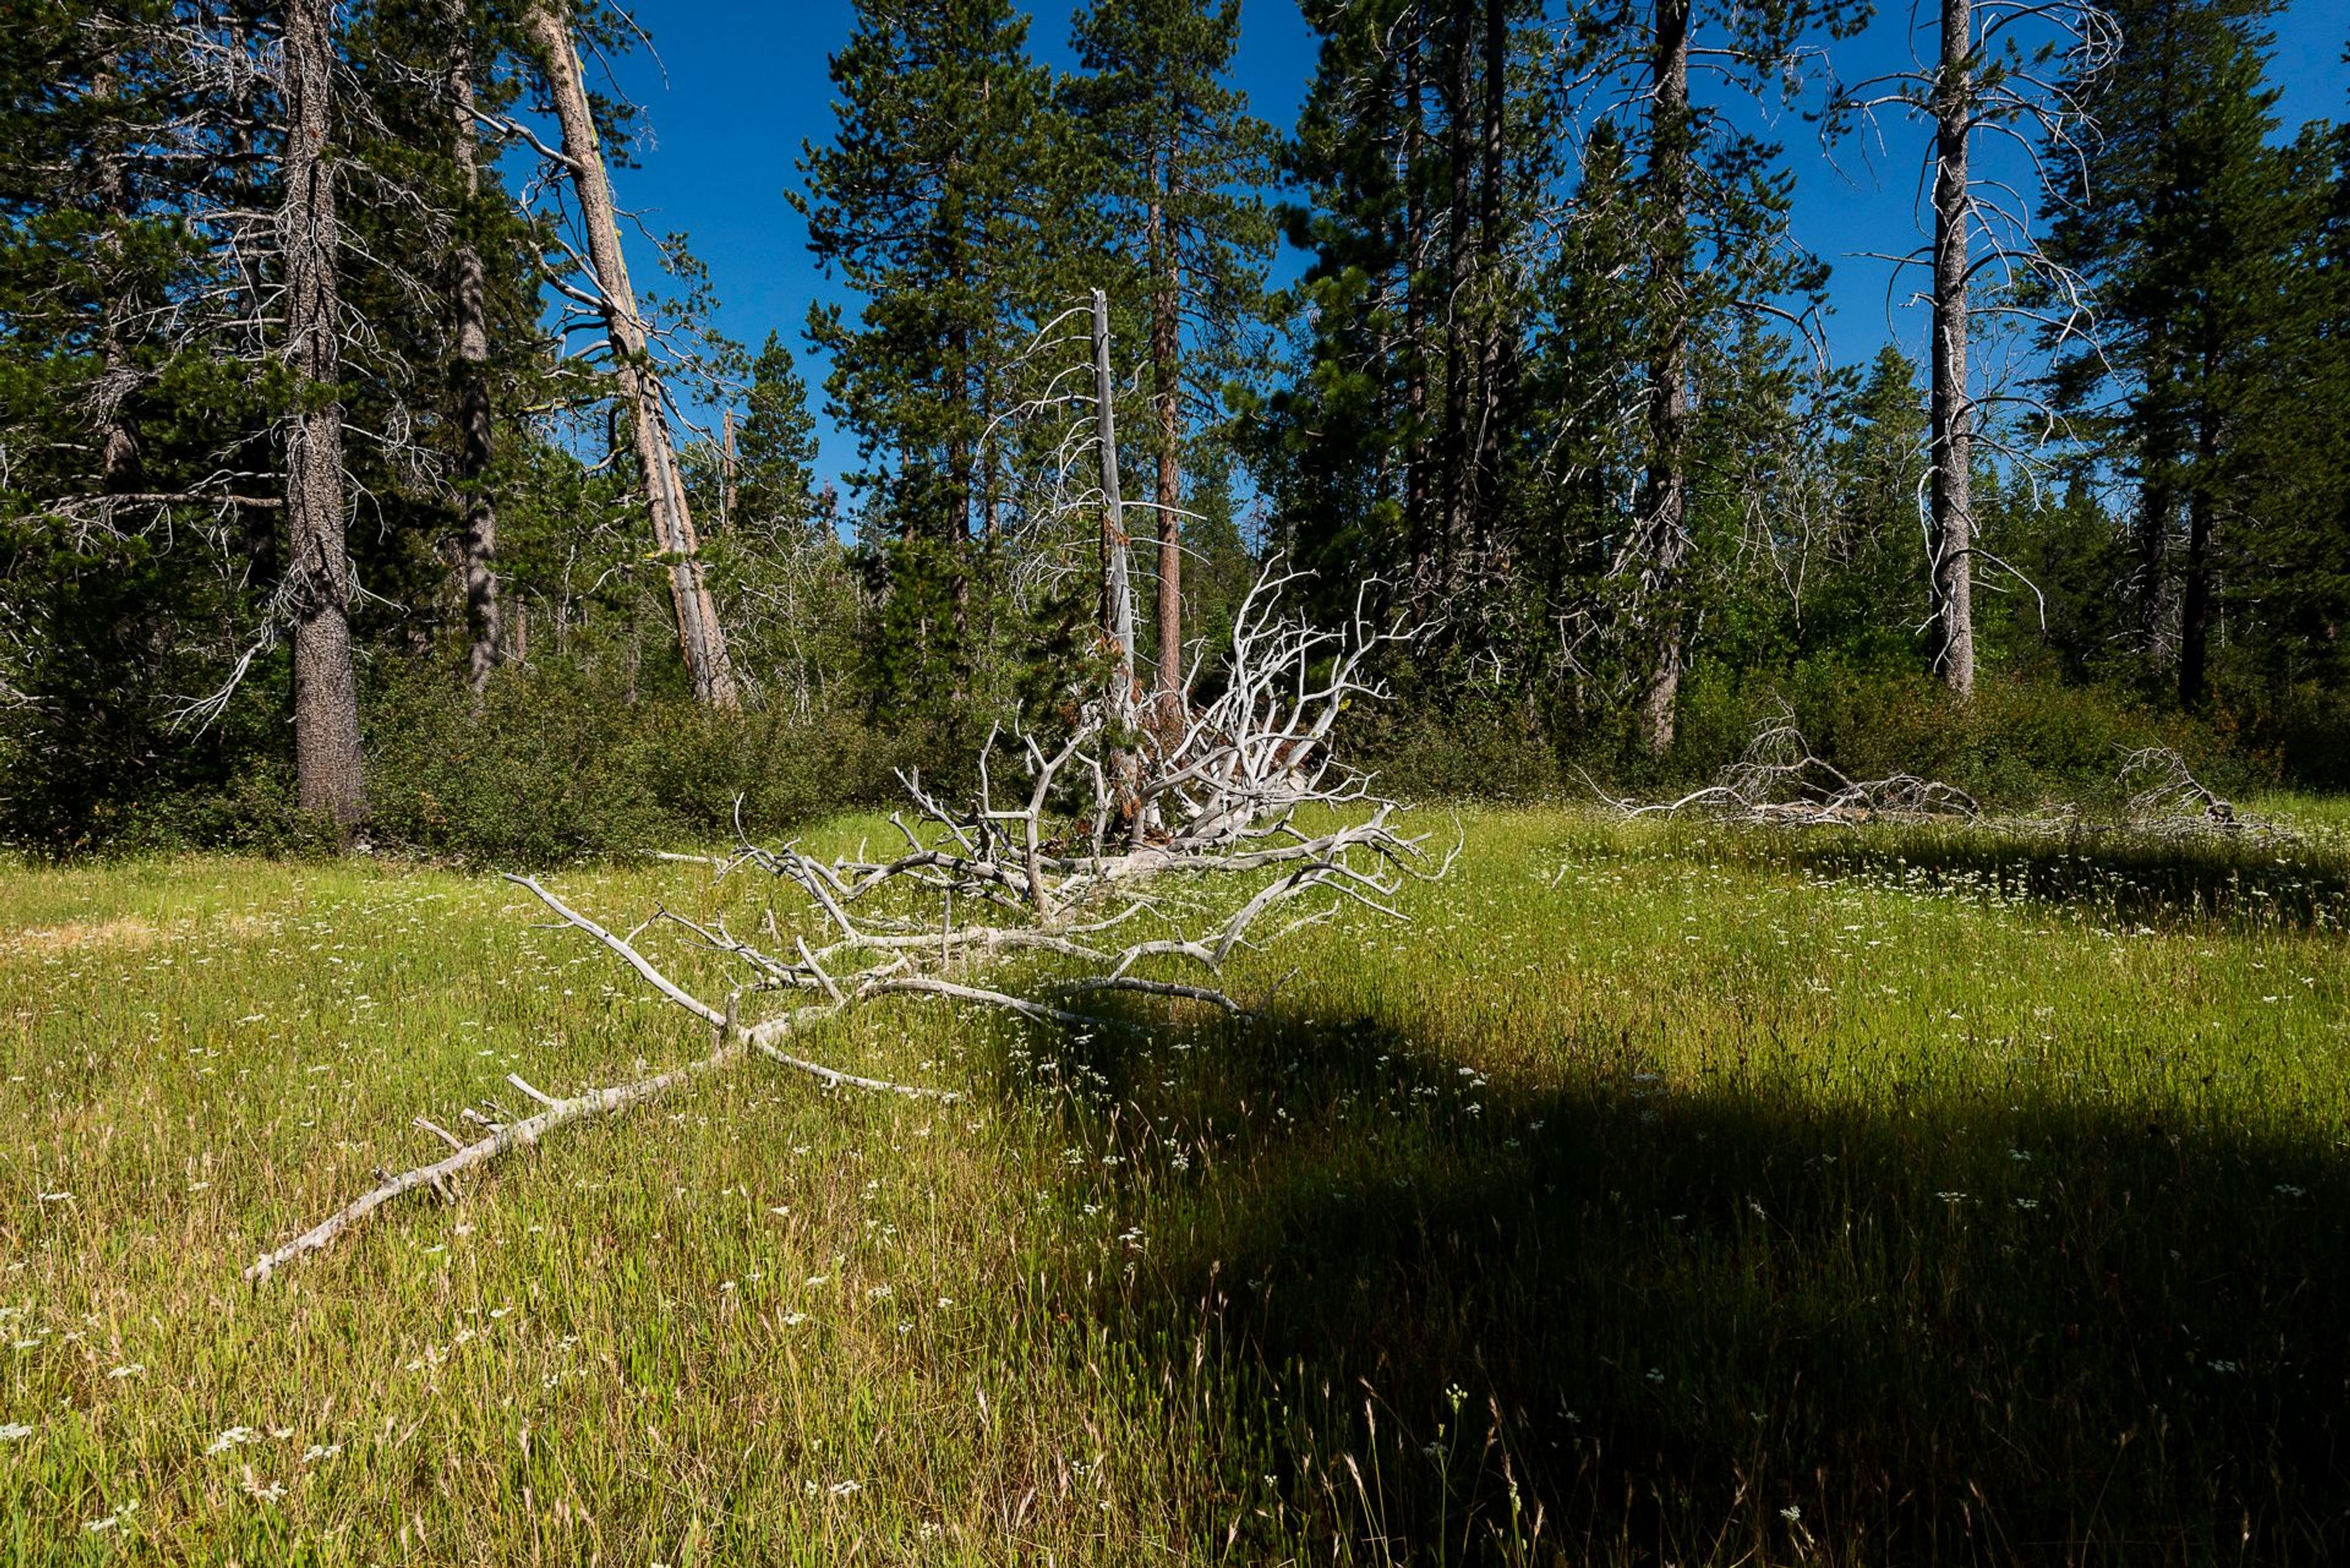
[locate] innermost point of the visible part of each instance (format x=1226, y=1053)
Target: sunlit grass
x=1660, y=1193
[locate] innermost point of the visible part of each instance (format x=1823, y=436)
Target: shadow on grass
x=2131, y=875
x=1406, y=1315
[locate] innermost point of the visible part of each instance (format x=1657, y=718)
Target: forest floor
x=1660, y=1193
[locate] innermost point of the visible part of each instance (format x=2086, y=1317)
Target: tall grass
x=1658, y=1194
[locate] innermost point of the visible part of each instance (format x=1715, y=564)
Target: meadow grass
x=1660, y=1193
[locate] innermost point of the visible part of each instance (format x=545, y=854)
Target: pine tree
x=775, y=464
x=1426, y=144
x=931, y=204
x=1180, y=162
x=2184, y=226
x=1715, y=208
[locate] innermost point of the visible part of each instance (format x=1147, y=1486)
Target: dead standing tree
x=328, y=768
x=1992, y=76
x=1050, y=873
x=700, y=635
x=478, y=544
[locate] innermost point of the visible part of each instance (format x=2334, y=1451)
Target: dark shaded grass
x=2222, y=876
x=1608, y=1320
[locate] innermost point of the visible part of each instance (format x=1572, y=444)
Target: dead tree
x=1033, y=897
x=1992, y=72
x=1664, y=522
x=1116, y=547
x=478, y=542
x=700, y=635
x=1950, y=465
x=1779, y=782
x=328, y=768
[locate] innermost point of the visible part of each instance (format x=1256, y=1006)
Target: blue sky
x=732, y=87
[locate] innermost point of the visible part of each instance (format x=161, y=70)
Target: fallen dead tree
x=1122, y=862
x=1779, y=780
x=2167, y=801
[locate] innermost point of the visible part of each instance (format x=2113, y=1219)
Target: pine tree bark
x=1117, y=581
x=1665, y=525
x=1166, y=350
x=1485, y=474
x=1459, y=290
x=700, y=637
x=2194, y=581
x=478, y=542
x=329, y=771
x=1951, y=483
x=118, y=448
x=1417, y=530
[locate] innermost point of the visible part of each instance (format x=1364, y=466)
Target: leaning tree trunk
x=1950, y=498
x=1666, y=525
x=699, y=635
x=1166, y=347
x=478, y=544
x=329, y=770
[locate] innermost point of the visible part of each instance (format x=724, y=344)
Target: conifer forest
x=1385, y=781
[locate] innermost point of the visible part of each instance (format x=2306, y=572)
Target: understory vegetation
x=1662, y=1191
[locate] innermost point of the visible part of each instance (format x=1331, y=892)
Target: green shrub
x=547, y=768
x=1468, y=750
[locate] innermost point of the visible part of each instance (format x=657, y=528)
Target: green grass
x=1661, y=1194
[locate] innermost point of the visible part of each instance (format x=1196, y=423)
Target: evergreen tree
x=1179, y=163
x=774, y=464
x=2184, y=224
x=933, y=203
x=1426, y=143
x=1714, y=205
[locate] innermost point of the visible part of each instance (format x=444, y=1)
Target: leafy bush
x=549, y=768
x=1466, y=749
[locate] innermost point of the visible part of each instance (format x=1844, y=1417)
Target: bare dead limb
x=1085, y=868
x=1779, y=782
x=2167, y=800
x=511, y=1134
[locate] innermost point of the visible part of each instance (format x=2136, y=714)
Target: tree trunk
x=1950, y=498
x=1117, y=584
x=2155, y=506
x=1485, y=476
x=1166, y=348
x=727, y=462
x=1666, y=527
x=1459, y=291
x=478, y=544
x=699, y=635
x=1117, y=595
x=2195, y=583
x=329, y=770
x=1414, y=319
x=118, y=448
